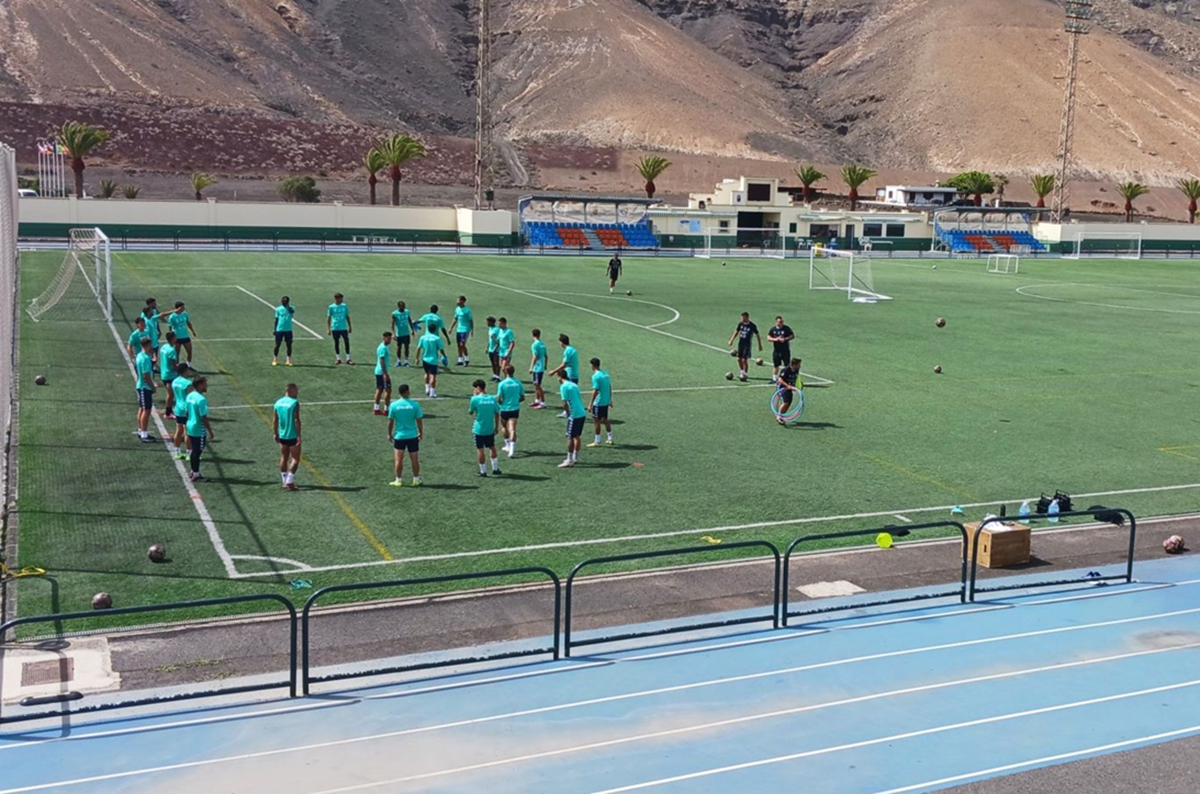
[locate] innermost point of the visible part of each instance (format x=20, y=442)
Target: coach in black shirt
x=781, y=337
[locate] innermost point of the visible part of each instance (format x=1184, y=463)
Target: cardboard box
x=1000, y=545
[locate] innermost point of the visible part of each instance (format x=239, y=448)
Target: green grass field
x=1073, y=375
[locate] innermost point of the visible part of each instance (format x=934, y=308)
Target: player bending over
x=743, y=333
x=406, y=429
x=431, y=348
x=486, y=411
x=510, y=394
x=402, y=328
x=574, y=412
x=285, y=424
x=337, y=325
x=789, y=386
x=601, y=402
x=383, y=378
x=537, y=369
x=464, y=329
x=283, y=330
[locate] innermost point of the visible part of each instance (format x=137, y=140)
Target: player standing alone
x=743, y=333
x=614, y=272
x=574, y=412
x=510, y=394
x=406, y=429
x=487, y=423
x=537, y=369
x=283, y=329
x=781, y=337
x=285, y=424
x=464, y=329
x=383, y=378
x=337, y=325
x=601, y=402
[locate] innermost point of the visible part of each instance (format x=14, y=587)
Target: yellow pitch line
x=338, y=499
x=916, y=475
x=1175, y=451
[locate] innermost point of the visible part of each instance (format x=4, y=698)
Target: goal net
x=1004, y=263
x=767, y=242
x=842, y=271
x=1113, y=245
x=8, y=302
x=83, y=279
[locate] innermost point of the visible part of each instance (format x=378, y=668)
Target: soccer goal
x=1114, y=245
x=767, y=242
x=84, y=276
x=1004, y=263
x=842, y=271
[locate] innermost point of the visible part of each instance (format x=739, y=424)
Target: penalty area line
x=269, y=306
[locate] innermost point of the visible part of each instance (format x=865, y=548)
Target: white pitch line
x=905, y=519
x=690, y=728
x=723, y=350
x=271, y=306
x=1019, y=291
x=711, y=530
x=625, y=298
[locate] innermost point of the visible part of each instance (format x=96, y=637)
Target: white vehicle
x=27, y=193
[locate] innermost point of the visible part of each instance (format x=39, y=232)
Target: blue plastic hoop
x=797, y=406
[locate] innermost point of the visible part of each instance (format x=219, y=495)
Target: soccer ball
x=728, y=376
x=733, y=353
x=628, y=292
x=40, y=380
x=1174, y=545
x=935, y=267
x=758, y=361
x=157, y=553
x=102, y=601
x=938, y=369
x=722, y=264
x=941, y=322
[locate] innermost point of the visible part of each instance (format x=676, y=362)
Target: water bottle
x=1052, y=511
x=1024, y=511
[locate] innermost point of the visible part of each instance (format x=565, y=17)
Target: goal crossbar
x=1106, y=244
x=1003, y=263
x=89, y=256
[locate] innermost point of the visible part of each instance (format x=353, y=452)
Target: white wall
x=1056, y=233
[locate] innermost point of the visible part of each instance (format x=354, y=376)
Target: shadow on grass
x=448, y=486
x=523, y=477
x=814, y=426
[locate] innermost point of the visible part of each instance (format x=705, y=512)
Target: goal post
x=1113, y=245
x=843, y=271
x=85, y=272
x=772, y=242
x=1003, y=263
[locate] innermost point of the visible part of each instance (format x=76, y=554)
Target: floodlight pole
x=483, y=106
x=1079, y=13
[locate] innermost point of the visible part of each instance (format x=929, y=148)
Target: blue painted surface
x=869, y=701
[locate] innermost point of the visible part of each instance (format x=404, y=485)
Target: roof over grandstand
x=590, y=198
x=988, y=209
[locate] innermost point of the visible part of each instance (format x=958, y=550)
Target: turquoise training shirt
x=339, y=317
x=285, y=409
x=485, y=410
x=168, y=359
x=570, y=395
x=381, y=359
x=145, y=371
x=465, y=319
x=430, y=346
x=504, y=341
x=402, y=323
x=602, y=384
x=283, y=318
x=405, y=414
x=197, y=409
x=179, y=324
x=509, y=394
x=571, y=359
x=538, y=348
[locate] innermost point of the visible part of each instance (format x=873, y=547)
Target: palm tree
x=201, y=181
x=1043, y=185
x=398, y=149
x=79, y=140
x=808, y=176
x=651, y=167
x=1190, y=187
x=108, y=188
x=1131, y=192
x=373, y=161
x=855, y=176
x=973, y=183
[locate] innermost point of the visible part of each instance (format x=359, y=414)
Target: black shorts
x=600, y=411
x=506, y=415
x=407, y=444
x=167, y=382
x=485, y=442
x=575, y=426
x=494, y=356
x=381, y=382
x=289, y=442
x=538, y=377
x=613, y=275
x=283, y=336
x=430, y=369
x=781, y=355
x=743, y=348
x=574, y=380
x=403, y=340
x=185, y=340
x=198, y=442
x=145, y=398
x=462, y=337
x=343, y=335
x=785, y=399
x=181, y=419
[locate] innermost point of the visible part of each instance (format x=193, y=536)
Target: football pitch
x=1077, y=375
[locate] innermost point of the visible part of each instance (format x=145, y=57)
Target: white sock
x=482, y=469
x=433, y=392
x=416, y=479
x=291, y=478
x=512, y=447
x=376, y=406
x=283, y=477
x=495, y=464
x=597, y=438
x=571, y=456
x=610, y=436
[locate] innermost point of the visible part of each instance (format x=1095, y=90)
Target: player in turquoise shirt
x=506, y=343
x=168, y=360
x=199, y=429
x=537, y=368
x=433, y=323
x=180, y=387
x=569, y=365
x=402, y=328
x=181, y=324
x=383, y=379
x=575, y=414
x=134, y=344
x=486, y=411
x=406, y=429
x=283, y=329
x=285, y=425
x=464, y=327
x=431, y=348
x=143, y=366
x=493, y=348
x=150, y=313
x=510, y=394
x=338, y=325
x=601, y=402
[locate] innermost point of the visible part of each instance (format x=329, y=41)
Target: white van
x=27, y=193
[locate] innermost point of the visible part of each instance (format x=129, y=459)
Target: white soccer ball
x=935, y=267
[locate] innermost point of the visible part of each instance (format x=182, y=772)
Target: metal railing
x=150, y=700
x=1025, y=585
x=961, y=591
x=773, y=617
x=309, y=678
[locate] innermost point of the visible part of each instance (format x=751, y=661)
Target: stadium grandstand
x=986, y=230
x=586, y=222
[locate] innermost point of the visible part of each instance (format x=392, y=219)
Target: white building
x=915, y=196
